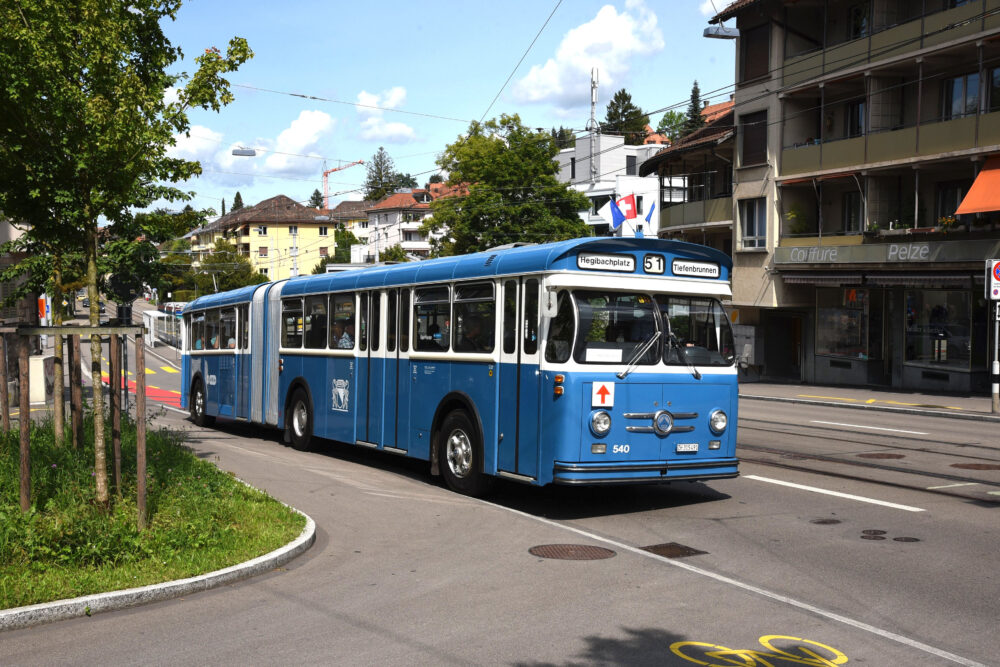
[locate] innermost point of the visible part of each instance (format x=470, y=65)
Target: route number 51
x=653, y=264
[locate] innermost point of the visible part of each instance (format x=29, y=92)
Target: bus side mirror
x=549, y=303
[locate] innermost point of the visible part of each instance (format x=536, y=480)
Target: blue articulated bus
x=589, y=361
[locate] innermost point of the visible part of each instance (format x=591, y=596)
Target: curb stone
x=880, y=408
x=47, y=612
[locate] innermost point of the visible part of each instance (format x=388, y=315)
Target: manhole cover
x=905, y=539
x=880, y=455
x=976, y=466
x=673, y=550
x=571, y=552
x=872, y=537
x=825, y=522
x=873, y=532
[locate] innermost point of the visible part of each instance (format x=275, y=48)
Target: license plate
x=687, y=447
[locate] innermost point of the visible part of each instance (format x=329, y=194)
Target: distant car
x=100, y=305
x=86, y=302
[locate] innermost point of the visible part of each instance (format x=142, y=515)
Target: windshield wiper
x=683, y=355
x=637, y=355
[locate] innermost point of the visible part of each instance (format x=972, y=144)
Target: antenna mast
x=592, y=126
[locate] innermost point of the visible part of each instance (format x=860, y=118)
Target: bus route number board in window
x=654, y=264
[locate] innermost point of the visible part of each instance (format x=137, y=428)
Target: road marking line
x=952, y=486
x=149, y=371
x=873, y=428
x=168, y=369
x=792, y=602
x=830, y=398
x=838, y=494
x=168, y=407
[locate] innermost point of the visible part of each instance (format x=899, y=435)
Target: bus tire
x=198, y=415
x=460, y=453
x=299, y=421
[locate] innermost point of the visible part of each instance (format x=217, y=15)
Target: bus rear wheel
x=299, y=421
x=198, y=415
x=461, y=456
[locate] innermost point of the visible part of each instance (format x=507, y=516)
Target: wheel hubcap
x=459, y=454
x=300, y=418
x=199, y=402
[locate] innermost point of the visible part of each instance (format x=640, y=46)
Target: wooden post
x=140, y=428
x=4, y=395
x=114, y=384
x=24, y=419
x=76, y=391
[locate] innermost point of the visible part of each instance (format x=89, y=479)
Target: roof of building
x=732, y=10
x=277, y=209
x=719, y=130
x=654, y=138
x=415, y=198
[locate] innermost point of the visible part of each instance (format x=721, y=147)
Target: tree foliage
x=381, y=176
x=693, y=119
x=625, y=118
x=672, y=125
x=342, y=254
x=405, y=180
x=225, y=269
x=85, y=128
x=237, y=202
x=316, y=199
x=393, y=254
x=564, y=137
x=514, y=194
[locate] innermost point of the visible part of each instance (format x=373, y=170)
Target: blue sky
x=431, y=68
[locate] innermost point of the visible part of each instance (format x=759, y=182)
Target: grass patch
x=201, y=519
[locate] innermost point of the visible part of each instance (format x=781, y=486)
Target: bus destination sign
x=600, y=262
x=684, y=267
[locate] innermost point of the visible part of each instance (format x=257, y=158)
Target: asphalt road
x=406, y=572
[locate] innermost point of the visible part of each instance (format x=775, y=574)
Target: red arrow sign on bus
x=603, y=395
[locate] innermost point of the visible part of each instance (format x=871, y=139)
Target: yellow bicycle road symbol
x=806, y=652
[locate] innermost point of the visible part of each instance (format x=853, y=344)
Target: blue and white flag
x=616, y=215
x=650, y=214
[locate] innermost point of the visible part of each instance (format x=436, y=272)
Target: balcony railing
x=719, y=209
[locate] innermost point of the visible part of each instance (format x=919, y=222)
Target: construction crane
x=326, y=183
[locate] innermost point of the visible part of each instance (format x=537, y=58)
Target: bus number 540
x=620, y=449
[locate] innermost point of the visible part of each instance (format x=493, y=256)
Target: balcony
x=719, y=209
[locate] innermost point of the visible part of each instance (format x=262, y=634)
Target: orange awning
x=984, y=195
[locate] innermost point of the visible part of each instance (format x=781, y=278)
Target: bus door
x=397, y=322
x=228, y=370
x=371, y=366
x=519, y=379
x=243, y=362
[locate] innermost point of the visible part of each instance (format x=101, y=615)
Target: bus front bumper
x=651, y=472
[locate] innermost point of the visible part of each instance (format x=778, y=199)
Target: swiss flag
x=627, y=205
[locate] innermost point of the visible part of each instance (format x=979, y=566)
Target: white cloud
x=708, y=9
x=199, y=144
x=374, y=127
x=302, y=137
x=609, y=42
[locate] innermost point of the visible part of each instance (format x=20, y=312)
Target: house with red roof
x=396, y=219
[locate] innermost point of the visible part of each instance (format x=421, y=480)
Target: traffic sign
x=993, y=279
x=602, y=395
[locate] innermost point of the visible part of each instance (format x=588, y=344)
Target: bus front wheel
x=461, y=455
x=299, y=421
x=198, y=415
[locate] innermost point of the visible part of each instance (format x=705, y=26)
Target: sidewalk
x=977, y=407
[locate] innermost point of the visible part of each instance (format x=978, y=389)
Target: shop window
x=755, y=49
x=842, y=323
x=753, y=222
x=938, y=328
x=961, y=96
x=753, y=139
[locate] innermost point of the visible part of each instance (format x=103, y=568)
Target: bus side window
x=376, y=320
x=291, y=323
x=244, y=327
x=390, y=327
x=227, y=333
x=342, y=330
x=560, y=341
x=475, y=318
x=530, y=343
x=509, y=316
x=198, y=331
x=212, y=329
x=316, y=322
x=431, y=319
x=404, y=320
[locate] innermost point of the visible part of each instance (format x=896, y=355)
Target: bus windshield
x=698, y=332
x=614, y=326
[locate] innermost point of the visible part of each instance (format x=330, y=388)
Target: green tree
x=436, y=178
x=342, y=254
x=316, y=199
x=223, y=206
x=225, y=269
x=237, y=202
x=671, y=125
x=175, y=268
x=564, y=137
x=85, y=127
x=393, y=254
x=514, y=194
x=693, y=119
x=405, y=181
x=625, y=118
x=381, y=177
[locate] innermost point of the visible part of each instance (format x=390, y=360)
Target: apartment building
x=703, y=163
x=860, y=127
x=396, y=219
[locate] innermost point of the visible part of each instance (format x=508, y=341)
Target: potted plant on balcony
x=797, y=225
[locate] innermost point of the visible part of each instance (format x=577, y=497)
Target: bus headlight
x=600, y=423
x=718, y=421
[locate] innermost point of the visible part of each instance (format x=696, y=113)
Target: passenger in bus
x=347, y=340
x=338, y=332
x=231, y=343
x=471, y=340
x=214, y=343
